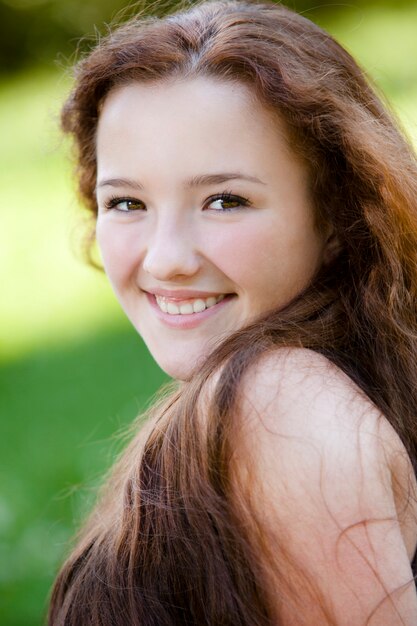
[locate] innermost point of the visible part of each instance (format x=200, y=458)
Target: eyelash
x=228, y=196
x=225, y=196
x=112, y=203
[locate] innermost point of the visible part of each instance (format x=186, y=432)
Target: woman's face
x=205, y=220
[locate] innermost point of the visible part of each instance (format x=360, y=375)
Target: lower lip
x=185, y=322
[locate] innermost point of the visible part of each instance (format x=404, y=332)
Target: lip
x=185, y=322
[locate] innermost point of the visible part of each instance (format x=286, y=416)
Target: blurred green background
x=73, y=372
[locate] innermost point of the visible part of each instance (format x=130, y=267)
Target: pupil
x=229, y=204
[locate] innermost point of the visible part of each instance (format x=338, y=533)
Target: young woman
x=256, y=210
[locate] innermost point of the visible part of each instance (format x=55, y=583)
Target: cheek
x=119, y=249
x=247, y=252
x=271, y=260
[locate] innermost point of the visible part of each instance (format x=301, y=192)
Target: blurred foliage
x=33, y=31
x=43, y=30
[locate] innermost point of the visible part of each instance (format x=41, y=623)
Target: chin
x=181, y=359
x=181, y=367
x=176, y=370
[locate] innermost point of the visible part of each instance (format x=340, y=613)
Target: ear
x=332, y=247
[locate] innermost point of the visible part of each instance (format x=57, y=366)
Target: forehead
x=198, y=88
x=193, y=96
x=194, y=124
x=196, y=100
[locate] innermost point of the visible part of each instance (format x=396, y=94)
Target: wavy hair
x=173, y=541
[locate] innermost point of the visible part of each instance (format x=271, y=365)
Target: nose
x=171, y=253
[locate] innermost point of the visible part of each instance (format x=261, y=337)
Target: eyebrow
x=194, y=181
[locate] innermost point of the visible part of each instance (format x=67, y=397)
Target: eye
x=125, y=205
x=226, y=202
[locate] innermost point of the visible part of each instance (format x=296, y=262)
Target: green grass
x=63, y=413
x=73, y=372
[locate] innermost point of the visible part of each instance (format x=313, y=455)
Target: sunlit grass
x=47, y=293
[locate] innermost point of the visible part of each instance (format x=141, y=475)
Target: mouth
x=191, y=306
x=183, y=312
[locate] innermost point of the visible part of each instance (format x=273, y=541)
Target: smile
x=187, y=307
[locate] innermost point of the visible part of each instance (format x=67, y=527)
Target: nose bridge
x=170, y=249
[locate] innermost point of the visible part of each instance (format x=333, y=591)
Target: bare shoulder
x=300, y=393
x=324, y=458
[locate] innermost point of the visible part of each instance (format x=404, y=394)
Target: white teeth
x=187, y=307
x=173, y=309
x=199, y=306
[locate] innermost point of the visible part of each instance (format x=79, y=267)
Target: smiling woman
x=256, y=212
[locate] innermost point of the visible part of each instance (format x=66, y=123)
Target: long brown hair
x=172, y=541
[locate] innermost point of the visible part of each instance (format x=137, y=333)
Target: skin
x=178, y=239
x=330, y=481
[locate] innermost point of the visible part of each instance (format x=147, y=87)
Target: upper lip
x=183, y=294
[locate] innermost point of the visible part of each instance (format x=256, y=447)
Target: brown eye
x=126, y=205
x=227, y=202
